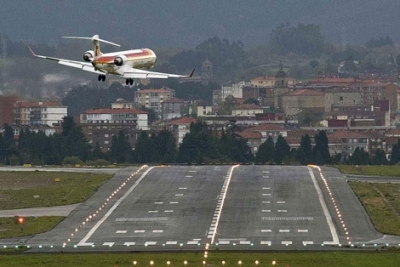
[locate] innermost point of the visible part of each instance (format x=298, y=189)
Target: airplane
x=129, y=64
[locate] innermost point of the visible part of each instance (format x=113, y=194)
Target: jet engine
x=120, y=60
x=88, y=56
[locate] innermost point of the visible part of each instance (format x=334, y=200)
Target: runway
x=228, y=207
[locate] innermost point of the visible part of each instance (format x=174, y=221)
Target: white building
x=43, y=113
x=236, y=90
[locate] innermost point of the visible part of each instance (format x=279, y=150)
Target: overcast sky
x=186, y=23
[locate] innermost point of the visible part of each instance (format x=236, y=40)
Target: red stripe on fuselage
x=107, y=59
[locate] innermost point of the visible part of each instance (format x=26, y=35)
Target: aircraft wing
x=129, y=72
x=86, y=66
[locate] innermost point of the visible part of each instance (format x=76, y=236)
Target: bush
x=101, y=162
x=72, y=161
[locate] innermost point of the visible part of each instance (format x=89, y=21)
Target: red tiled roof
x=247, y=106
x=250, y=135
x=183, y=120
x=114, y=111
x=304, y=92
x=173, y=100
x=347, y=134
x=333, y=80
x=33, y=104
x=393, y=132
x=266, y=127
x=161, y=90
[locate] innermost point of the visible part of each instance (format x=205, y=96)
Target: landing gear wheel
x=101, y=78
x=129, y=82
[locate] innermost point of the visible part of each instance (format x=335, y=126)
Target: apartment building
x=99, y=125
x=44, y=113
x=152, y=98
x=173, y=108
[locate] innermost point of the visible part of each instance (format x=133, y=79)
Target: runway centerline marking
x=222, y=198
x=324, y=208
x=97, y=225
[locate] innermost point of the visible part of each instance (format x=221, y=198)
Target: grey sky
x=185, y=23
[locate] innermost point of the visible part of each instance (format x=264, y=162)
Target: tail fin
x=96, y=43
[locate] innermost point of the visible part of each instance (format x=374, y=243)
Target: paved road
x=34, y=212
x=229, y=207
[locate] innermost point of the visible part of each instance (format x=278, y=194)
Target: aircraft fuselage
x=137, y=58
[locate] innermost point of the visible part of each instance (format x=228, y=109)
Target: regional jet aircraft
x=130, y=64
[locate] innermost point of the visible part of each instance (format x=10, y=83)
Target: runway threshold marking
x=222, y=197
x=324, y=208
x=97, y=225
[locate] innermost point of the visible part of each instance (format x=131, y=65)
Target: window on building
x=106, y=142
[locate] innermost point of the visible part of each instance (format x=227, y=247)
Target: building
x=342, y=97
x=173, y=108
x=300, y=100
x=253, y=139
x=201, y=108
x=180, y=127
x=350, y=141
x=267, y=130
x=44, y=113
x=6, y=109
x=247, y=110
x=99, y=125
x=152, y=98
x=235, y=90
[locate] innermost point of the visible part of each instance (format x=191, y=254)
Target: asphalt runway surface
x=216, y=207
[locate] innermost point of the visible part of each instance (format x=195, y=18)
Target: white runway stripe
x=171, y=242
x=121, y=232
x=129, y=244
x=109, y=244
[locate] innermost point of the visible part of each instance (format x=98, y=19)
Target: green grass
x=294, y=259
x=384, y=219
x=32, y=225
x=387, y=170
x=46, y=189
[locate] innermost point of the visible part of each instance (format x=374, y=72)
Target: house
x=173, y=108
x=253, y=139
x=180, y=127
x=267, y=130
x=201, y=108
x=247, y=110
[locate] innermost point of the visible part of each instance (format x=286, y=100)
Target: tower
x=281, y=86
x=206, y=71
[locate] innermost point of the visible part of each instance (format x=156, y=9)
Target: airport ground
x=216, y=208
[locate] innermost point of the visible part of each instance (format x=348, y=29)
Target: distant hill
x=184, y=24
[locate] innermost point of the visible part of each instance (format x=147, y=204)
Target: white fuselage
x=137, y=58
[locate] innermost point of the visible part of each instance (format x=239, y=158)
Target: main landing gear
x=101, y=78
x=129, y=82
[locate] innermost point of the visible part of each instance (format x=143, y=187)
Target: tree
x=395, y=155
x=75, y=143
x=314, y=64
x=379, y=158
x=281, y=150
x=265, y=152
x=302, y=40
x=321, y=148
x=359, y=157
x=305, y=154
x=143, y=149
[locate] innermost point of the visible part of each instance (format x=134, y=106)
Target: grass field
x=32, y=225
x=293, y=259
x=46, y=189
x=384, y=219
x=392, y=170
